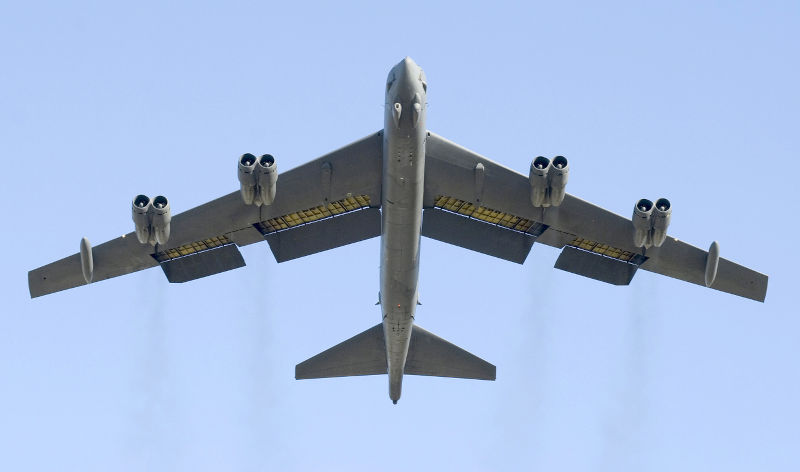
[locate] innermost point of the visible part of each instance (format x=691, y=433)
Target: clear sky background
x=695, y=101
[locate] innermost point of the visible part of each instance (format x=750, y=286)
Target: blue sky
x=695, y=101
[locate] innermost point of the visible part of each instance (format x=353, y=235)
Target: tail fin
x=365, y=354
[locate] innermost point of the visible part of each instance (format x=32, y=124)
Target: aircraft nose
x=405, y=80
x=408, y=68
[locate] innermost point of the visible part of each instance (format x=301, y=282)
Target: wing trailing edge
x=476, y=235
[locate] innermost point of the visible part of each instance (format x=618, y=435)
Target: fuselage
x=401, y=221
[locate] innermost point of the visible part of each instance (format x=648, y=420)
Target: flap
x=476, y=235
x=321, y=235
x=596, y=266
x=203, y=264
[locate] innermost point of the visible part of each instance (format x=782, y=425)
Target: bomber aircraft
x=399, y=183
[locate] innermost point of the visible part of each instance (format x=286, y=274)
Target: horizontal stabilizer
x=429, y=354
x=363, y=354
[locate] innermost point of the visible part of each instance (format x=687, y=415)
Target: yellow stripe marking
x=311, y=215
x=489, y=215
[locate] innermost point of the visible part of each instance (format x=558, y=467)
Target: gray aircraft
x=400, y=183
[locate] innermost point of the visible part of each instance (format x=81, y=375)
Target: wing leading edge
x=501, y=197
x=326, y=189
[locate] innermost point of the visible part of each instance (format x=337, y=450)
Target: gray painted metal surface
x=401, y=172
x=429, y=354
x=475, y=235
x=365, y=354
x=403, y=178
x=339, y=231
x=358, y=164
x=202, y=264
x=449, y=171
x=596, y=266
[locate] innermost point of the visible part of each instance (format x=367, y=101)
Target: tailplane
x=429, y=354
x=365, y=354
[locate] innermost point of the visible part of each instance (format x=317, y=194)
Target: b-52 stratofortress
x=400, y=183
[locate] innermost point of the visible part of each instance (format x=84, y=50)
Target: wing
x=495, y=203
x=326, y=203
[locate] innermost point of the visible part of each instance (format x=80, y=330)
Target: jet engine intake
x=540, y=167
x=642, y=212
x=257, y=179
x=141, y=217
x=247, y=177
x=151, y=219
x=661, y=217
x=267, y=172
x=548, y=181
x=559, y=174
x=160, y=219
x=650, y=222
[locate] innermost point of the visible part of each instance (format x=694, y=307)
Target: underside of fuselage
x=402, y=183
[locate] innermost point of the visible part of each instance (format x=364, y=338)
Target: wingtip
x=764, y=293
x=31, y=277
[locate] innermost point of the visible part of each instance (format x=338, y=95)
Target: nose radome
x=404, y=79
x=408, y=65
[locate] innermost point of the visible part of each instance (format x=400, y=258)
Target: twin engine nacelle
x=548, y=181
x=258, y=178
x=151, y=218
x=650, y=222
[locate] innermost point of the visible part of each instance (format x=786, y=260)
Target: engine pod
x=661, y=216
x=642, y=212
x=267, y=178
x=140, y=209
x=247, y=177
x=160, y=219
x=559, y=174
x=538, y=181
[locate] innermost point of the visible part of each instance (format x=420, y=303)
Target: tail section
x=365, y=354
x=429, y=354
